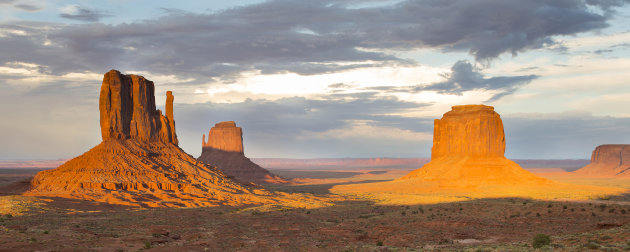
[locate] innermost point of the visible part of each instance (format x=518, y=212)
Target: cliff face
x=224, y=149
x=224, y=136
x=138, y=163
x=609, y=160
x=468, y=150
x=127, y=108
x=470, y=131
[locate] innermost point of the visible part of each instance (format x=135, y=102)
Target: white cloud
x=361, y=129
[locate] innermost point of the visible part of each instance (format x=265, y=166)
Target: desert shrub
x=612, y=210
x=564, y=207
x=379, y=243
x=537, y=214
x=605, y=237
x=591, y=245
x=541, y=240
x=308, y=212
x=403, y=213
x=147, y=244
x=549, y=206
x=623, y=211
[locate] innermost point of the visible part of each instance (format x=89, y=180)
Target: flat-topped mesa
x=224, y=150
x=127, y=107
x=469, y=130
x=468, y=150
x=608, y=160
x=224, y=136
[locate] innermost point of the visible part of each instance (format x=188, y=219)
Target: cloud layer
x=306, y=37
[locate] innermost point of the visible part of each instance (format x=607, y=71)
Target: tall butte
x=224, y=149
x=608, y=160
x=138, y=162
x=468, y=150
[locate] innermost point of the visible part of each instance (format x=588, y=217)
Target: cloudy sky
x=325, y=78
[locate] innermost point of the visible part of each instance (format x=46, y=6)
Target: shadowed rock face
x=127, y=107
x=608, y=160
x=224, y=136
x=468, y=150
x=224, y=149
x=138, y=163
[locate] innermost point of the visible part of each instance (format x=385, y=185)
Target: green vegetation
x=541, y=240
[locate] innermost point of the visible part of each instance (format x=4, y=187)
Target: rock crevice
x=127, y=108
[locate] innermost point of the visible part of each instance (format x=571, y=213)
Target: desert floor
x=352, y=224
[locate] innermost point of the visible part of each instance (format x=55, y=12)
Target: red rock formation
x=127, y=107
x=138, y=163
x=224, y=149
x=608, y=160
x=225, y=136
x=468, y=150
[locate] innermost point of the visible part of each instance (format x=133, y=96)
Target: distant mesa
x=468, y=150
x=224, y=149
x=138, y=162
x=608, y=160
x=468, y=162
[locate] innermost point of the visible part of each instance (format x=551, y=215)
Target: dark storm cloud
x=305, y=37
x=85, y=15
x=464, y=77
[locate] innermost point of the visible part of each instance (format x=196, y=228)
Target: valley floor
x=351, y=224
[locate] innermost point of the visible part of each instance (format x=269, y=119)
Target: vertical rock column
x=127, y=107
x=169, y=116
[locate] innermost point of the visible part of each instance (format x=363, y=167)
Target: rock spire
x=127, y=108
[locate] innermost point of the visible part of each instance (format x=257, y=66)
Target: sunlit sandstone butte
x=138, y=162
x=224, y=149
x=608, y=160
x=468, y=150
x=467, y=161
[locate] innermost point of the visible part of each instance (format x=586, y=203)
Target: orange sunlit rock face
x=468, y=162
x=224, y=149
x=468, y=150
x=608, y=160
x=469, y=131
x=139, y=163
x=127, y=107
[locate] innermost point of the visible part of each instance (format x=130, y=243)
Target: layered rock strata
x=224, y=149
x=608, y=160
x=127, y=108
x=139, y=163
x=468, y=150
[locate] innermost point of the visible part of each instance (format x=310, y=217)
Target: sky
x=314, y=79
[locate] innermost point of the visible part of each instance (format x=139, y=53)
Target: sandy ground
x=351, y=224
